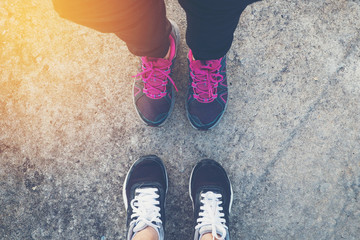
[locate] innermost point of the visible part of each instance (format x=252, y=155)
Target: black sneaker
x=144, y=191
x=211, y=194
x=154, y=89
x=207, y=94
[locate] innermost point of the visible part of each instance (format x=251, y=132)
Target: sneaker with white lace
x=144, y=194
x=154, y=89
x=211, y=194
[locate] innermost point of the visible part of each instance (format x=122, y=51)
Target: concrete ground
x=290, y=139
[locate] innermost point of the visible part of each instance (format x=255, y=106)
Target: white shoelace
x=211, y=215
x=145, y=211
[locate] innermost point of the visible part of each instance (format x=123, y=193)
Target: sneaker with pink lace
x=207, y=92
x=154, y=88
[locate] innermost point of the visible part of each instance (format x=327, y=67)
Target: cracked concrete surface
x=290, y=139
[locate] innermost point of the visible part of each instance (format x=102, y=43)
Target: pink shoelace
x=206, y=78
x=155, y=75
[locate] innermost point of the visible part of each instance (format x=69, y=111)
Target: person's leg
x=144, y=193
x=143, y=25
x=209, y=35
x=211, y=24
x=211, y=193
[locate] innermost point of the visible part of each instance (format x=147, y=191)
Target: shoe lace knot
x=145, y=208
x=211, y=216
x=206, y=78
x=155, y=75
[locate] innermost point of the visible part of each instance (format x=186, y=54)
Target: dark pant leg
x=142, y=24
x=211, y=24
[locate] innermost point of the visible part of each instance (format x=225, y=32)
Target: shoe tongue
x=158, y=62
x=198, y=64
x=156, y=80
x=204, y=86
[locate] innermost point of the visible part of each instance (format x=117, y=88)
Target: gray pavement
x=290, y=139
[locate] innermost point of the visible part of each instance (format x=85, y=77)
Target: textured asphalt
x=290, y=139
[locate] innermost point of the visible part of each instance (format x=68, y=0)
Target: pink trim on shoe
x=222, y=97
x=172, y=48
x=137, y=90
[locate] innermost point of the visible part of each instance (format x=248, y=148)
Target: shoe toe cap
x=153, y=111
x=204, y=116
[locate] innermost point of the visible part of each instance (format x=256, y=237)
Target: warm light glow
x=51, y=71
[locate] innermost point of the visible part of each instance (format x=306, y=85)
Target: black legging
x=143, y=25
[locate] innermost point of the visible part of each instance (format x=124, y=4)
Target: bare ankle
x=208, y=236
x=148, y=233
